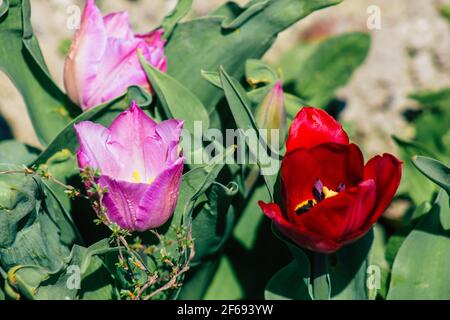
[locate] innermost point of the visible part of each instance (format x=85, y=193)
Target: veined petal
x=96, y=148
x=118, y=26
x=386, y=171
x=86, y=54
x=158, y=203
x=312, y=127
x=119, y=69
x=122, y=201
x=154, y=51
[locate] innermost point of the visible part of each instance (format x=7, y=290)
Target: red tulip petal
x=332, y=163
x=338, y=217
x=312, y=127
x=302, y=237
x=386, y=171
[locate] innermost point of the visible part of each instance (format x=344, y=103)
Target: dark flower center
x=320, y=193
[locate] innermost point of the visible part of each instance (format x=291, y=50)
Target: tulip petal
x=119, y=69
x=158, y=203
x=96, y=148
x=154, y=52
x=118, y=26
x=386, y=171
x=86, y=54
x=122, y=201
x=312, y=127
x=333, y=164
x=299, y=235
x=340, y=217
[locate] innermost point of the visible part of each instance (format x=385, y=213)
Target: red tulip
x=330, y=198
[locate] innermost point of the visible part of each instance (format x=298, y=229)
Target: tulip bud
x=103, y=61
x=271, y=113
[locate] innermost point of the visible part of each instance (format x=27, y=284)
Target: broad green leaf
x=170, y=21
x=422, y=266
x=204, y=43
x=321, y=69
x=177, y=101
x=97, y=282
x=21, y=60
x=30, y=234
x=413, y=183
x=433, y=98
x=348, y=270
x=230, y=289
x=435, y=170
x=246, y=230
x=16, y=152
x=240, y=108
x=213, y=225
x=379, y=266
x=395, y=241
x=291, y=282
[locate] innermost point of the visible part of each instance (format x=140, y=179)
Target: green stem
x=320, y=278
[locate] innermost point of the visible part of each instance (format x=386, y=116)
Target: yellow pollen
x=151, y=180
x=328, y=193
x=136, y=176
x=309, y=202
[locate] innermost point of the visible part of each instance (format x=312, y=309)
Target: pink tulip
x=140, y=166
x=103, y=61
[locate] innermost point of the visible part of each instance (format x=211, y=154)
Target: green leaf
x=16, y=152
x=433, y=98
x=318, y=70
x=348, y=271
x=240, y=108
x=413, y=183
x=213, y=225
x=97, y=283
x=377, y=258
x=422, y=266
x=177, y=101
x=246, y=230
x=230, y=289
x=293, y=281
x=29, y=229
x=435, y=170
x=194, y=183
x=21, y=60
x=258, y=72
x=249, y=35
x=171, y=20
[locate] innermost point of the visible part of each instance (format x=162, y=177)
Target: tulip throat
x=320, y=193
x=136, y=177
